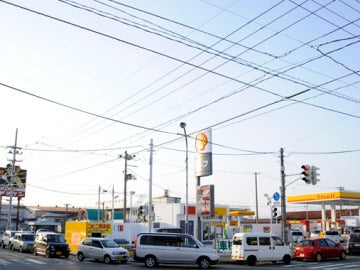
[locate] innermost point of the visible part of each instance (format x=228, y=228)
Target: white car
x=102, y=249
x=23, y=242
x=333, y=235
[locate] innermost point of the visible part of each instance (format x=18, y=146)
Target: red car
x=319, y=249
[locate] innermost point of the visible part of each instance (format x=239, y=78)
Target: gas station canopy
x=334, y=197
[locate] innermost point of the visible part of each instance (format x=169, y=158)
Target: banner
x=18, y=180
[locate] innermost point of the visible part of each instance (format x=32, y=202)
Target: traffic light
x=274, y=210
x=141, y=210
x=306, y=174
x=314, y=175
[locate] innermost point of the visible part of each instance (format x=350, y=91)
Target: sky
x=83, y=82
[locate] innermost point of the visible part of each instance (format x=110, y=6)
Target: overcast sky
x=85, y=81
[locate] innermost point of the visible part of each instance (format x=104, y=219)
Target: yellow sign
x=101, y=227
x=326, y=196
x=242, y=213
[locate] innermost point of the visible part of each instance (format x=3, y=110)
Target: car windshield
x=332, y=233
x=109, y=243
x=306, y=243
x=55, y=238
x=28, y=237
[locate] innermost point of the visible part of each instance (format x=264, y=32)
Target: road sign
x=276, y=196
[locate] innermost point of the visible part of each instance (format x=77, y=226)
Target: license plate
x=302, y=255
x=58, y=252
x=120, y=257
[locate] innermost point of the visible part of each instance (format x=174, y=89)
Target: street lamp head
x=132, y=192
x=183, y=125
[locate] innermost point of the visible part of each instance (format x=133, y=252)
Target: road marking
x=3, y=262
x=35, y=261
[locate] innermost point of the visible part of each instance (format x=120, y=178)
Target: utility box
x=75, y=231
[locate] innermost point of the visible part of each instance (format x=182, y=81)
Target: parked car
x=353, y=243
x=23, y=241
x=173, y=248
x=7, y=237
x=297, y=236
x=319, y=249
x=51, y=244
x=255, y=247
x=333, y=235
x=315, y=234
x=102, y=249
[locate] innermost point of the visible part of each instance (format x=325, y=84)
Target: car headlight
x=52, y=247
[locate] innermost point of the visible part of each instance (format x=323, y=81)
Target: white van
x=172, y=248
x=253, y=247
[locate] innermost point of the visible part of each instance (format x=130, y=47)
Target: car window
x=87, y=242
x=264, y=241
x=322, y=242
x=330, y=243
x=297, y=233
x=251, y=241
x=109, y=243
x=189, y=242
x=277, y=241
x=306, y=243
x=96, y=243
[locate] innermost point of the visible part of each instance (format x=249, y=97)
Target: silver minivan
x=172, y=248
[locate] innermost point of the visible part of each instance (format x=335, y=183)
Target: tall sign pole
x=203, y=167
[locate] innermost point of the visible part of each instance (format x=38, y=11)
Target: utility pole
x=150, y=212
x=126, y=178
x=256, y=198
x=283, y=198
x=12, y=179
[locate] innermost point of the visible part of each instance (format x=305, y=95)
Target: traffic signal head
x=306, y=174
x=314, y=175
x=275, y=212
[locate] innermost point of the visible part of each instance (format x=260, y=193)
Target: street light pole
x=183, y=126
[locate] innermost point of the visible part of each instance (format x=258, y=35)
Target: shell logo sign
x=202, y=141
x=203, y=158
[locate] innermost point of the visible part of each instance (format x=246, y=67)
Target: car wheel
x=342, y=255
x=287, y=259
x=107, y=259
x=251, y=261
x=47, y=253
x=150, y=261
x=318, y=257
x=80, y=256
x=204, y=263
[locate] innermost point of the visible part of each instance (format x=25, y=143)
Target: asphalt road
x=10, y=260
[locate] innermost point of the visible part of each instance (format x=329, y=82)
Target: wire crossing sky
x=85, y=81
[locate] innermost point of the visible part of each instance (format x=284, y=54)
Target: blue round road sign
x=276, y=196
